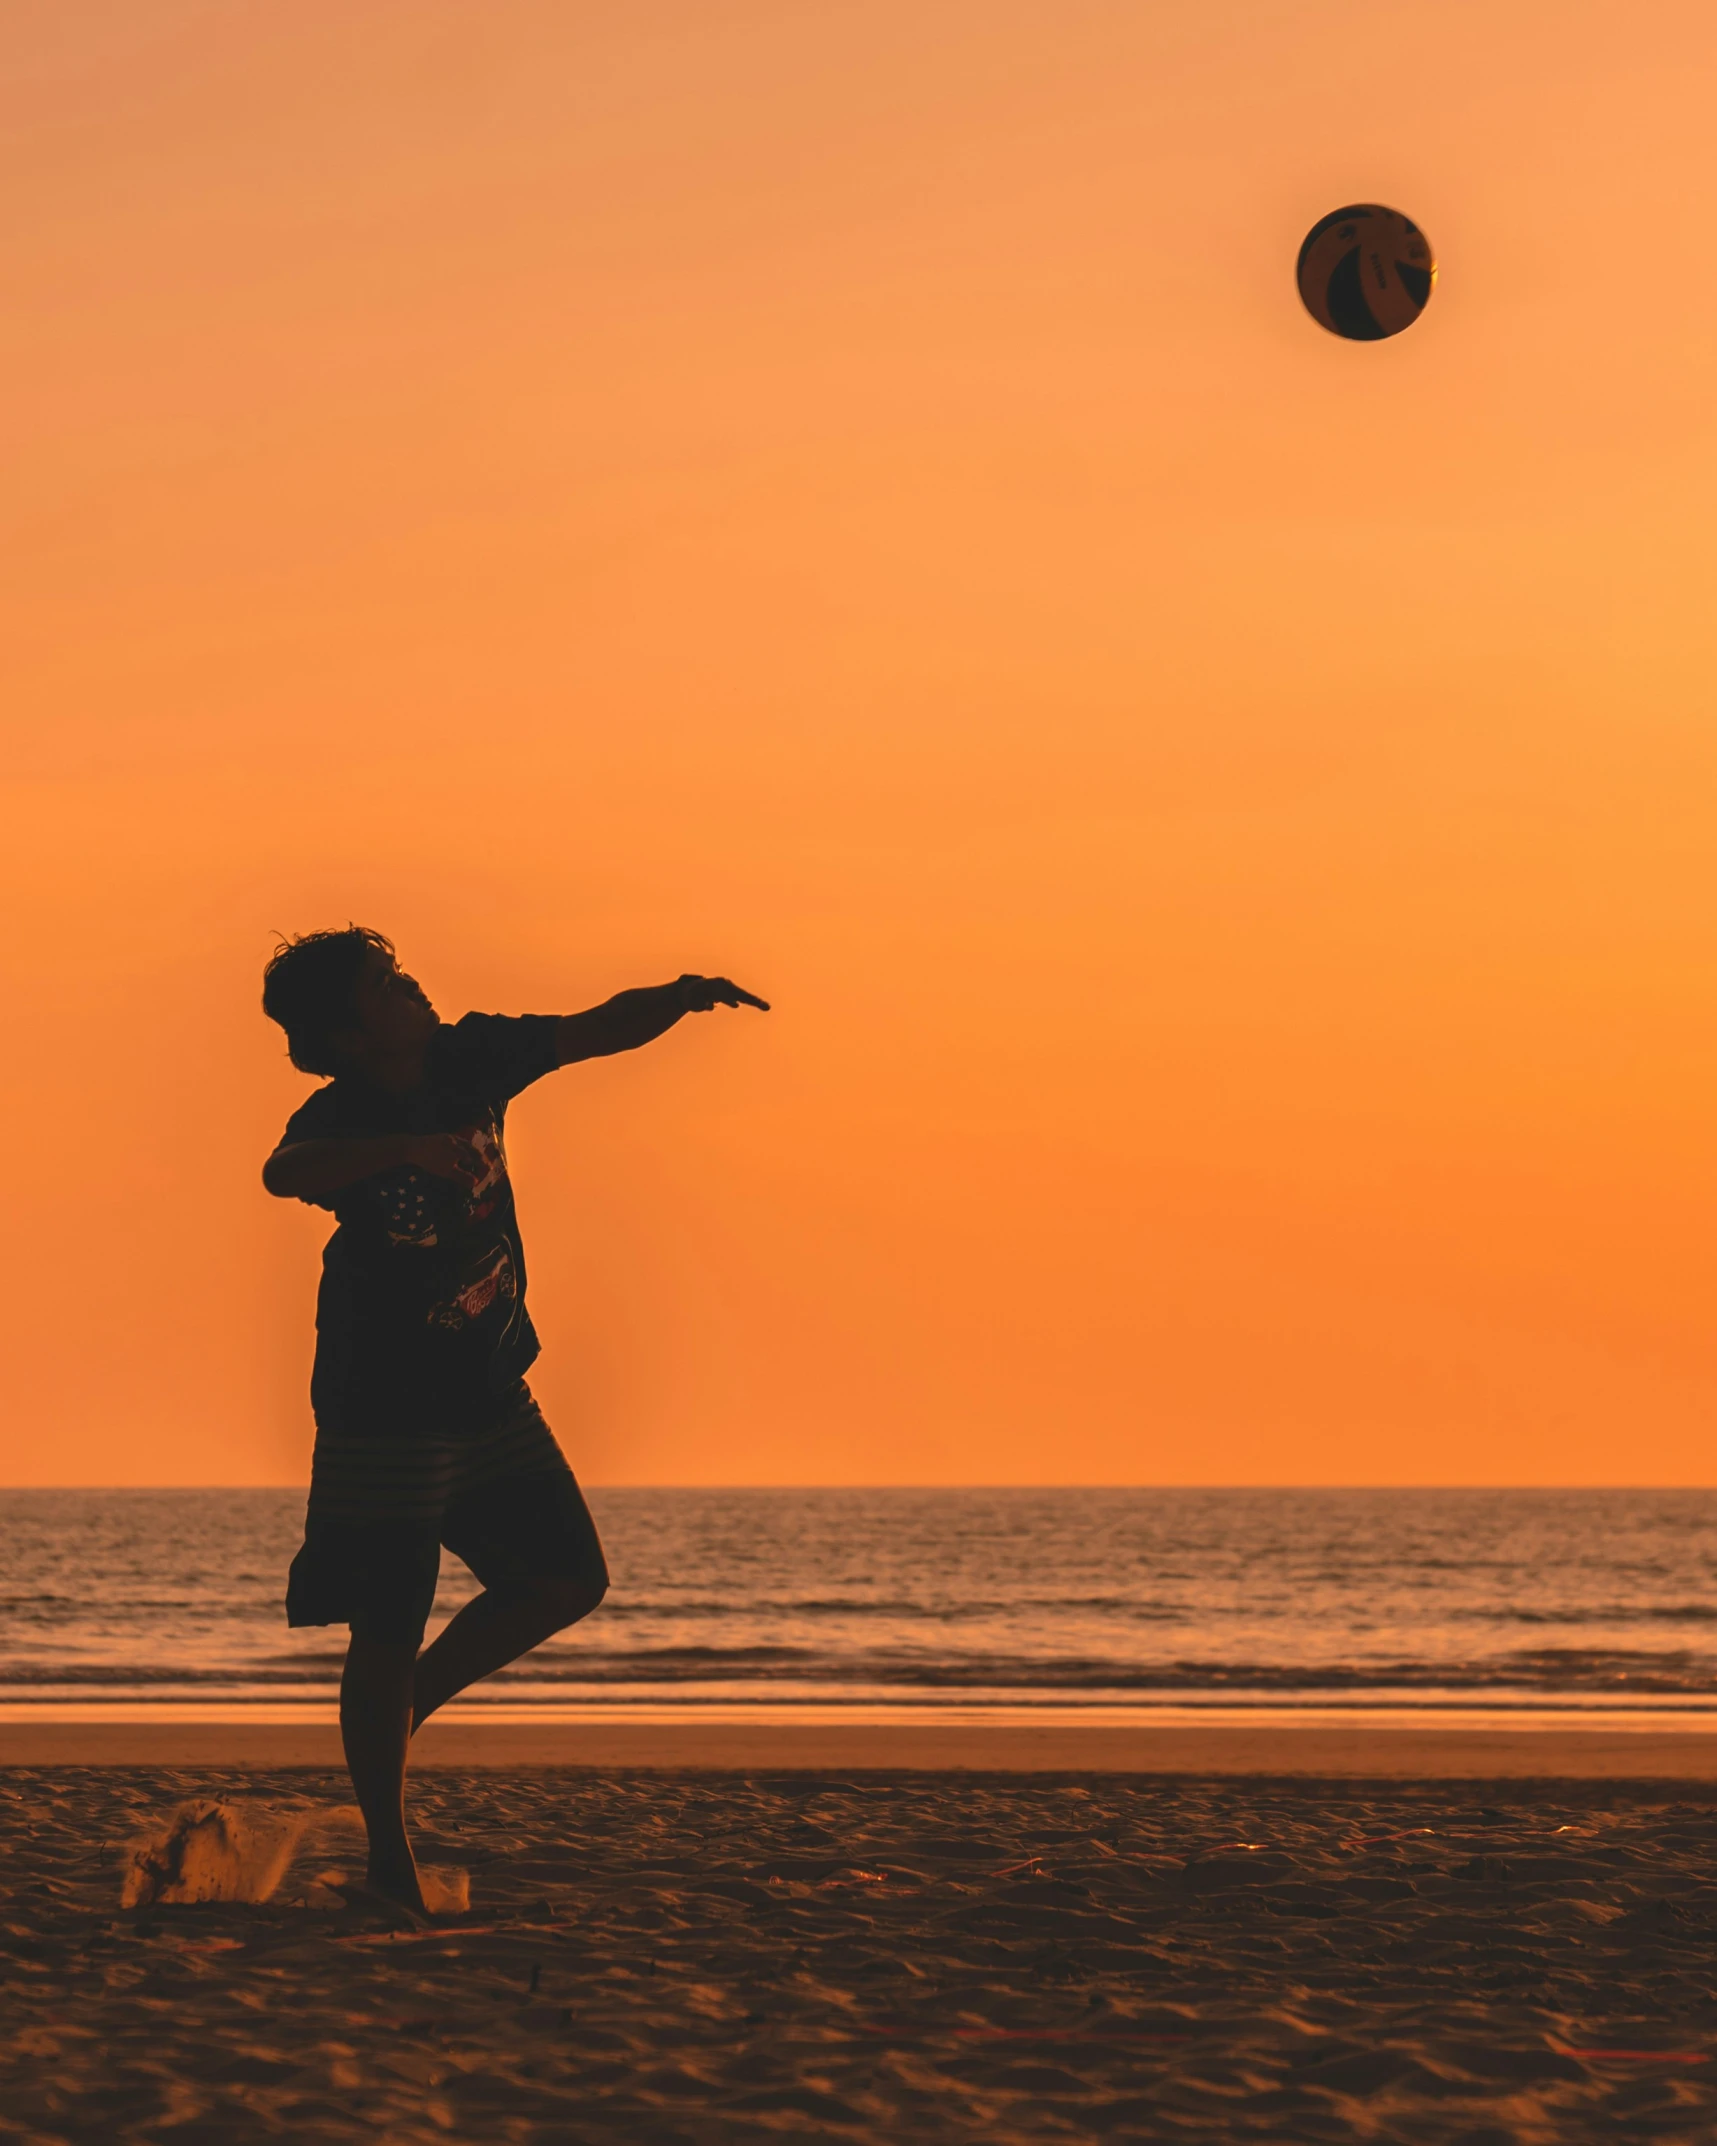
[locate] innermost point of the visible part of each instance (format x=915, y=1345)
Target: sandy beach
x=722, y=1954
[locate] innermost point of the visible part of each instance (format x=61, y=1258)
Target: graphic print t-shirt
x=421, y=1326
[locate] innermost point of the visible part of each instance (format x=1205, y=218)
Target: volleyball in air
x=1366, y=272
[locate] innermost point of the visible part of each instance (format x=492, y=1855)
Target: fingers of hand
x=700, y=993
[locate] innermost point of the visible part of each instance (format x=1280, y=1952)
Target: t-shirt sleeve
x=499, y=1053
x=318, y=1117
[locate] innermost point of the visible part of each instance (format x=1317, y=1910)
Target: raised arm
x=630, y=1018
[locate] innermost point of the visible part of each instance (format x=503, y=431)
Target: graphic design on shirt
x=491, y=1277
x=408, y=1206
x=405, y=1209
x=486, y=1139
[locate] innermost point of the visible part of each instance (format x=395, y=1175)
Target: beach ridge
x=1223, y=1751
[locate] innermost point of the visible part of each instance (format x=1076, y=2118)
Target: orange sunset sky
x=843, y=494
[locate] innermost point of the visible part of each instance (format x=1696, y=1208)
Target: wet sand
x=1428, y=1753
x=704, y=1955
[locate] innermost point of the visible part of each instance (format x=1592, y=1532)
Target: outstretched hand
x=699, y=993
x=630, y=1018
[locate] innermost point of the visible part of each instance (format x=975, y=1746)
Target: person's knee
x=378, y=1664
x=386, y=1647
x=566, y=1597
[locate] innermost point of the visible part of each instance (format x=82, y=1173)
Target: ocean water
x=994, y=1604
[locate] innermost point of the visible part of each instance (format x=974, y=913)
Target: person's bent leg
x=493, y=1629
x=375, y=1727
x=530, y=1540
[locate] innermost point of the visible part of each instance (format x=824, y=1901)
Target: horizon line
x=1411, y=1489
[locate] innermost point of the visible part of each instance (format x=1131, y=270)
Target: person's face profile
x=392, y=1009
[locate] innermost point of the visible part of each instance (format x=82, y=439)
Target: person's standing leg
x=375, y=1727
x=371, y=1557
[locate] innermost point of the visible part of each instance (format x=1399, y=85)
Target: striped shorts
x=381, y=1509
x=411, y=1482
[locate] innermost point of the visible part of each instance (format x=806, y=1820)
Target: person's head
x=344, y=1002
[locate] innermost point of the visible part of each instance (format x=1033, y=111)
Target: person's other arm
x=317, y=1169
x=632, y=1018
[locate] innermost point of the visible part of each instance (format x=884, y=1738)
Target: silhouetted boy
x=426, y=1433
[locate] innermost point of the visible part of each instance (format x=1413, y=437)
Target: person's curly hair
x=308, y=988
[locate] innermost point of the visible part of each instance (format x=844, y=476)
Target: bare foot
x=394, y=1877
x=400, y=1911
